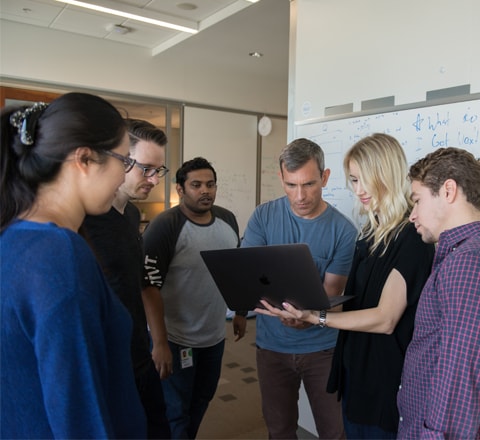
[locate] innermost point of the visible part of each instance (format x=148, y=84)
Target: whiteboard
x=229, y=141
x=419, y=130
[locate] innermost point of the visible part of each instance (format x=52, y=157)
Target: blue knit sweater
x=65, y=341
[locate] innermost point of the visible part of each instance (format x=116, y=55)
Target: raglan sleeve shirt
x=159, y=239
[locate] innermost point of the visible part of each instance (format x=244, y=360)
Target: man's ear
x=179, y=190
x=325, y=176
x=450, y=189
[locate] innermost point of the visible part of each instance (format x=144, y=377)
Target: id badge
x=186, y=357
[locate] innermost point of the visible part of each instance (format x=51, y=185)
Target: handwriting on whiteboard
x=419, y=131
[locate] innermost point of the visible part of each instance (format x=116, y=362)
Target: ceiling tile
x=30, y=12
x=86, y=23
x=205, y=8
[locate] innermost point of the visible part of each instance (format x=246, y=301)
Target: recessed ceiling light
x=187, y=6
x=118, y=29
x=256, y=54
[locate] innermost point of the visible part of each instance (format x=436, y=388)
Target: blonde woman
x=390, y=267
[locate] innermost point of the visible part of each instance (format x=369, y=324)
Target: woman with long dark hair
x=65, y=337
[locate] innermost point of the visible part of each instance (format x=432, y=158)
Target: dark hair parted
x=198, y=163
x=449, y=163
x=298, y=152
x=73, y=120
x=140, y=130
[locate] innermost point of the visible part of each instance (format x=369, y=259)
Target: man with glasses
x=117, y=243
x=186, y=314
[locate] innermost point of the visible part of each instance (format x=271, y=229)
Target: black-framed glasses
x=152, y=171
x=128, y=162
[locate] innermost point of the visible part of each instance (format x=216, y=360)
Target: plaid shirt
x=440, y=392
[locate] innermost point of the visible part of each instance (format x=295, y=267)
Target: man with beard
x=185, y=311
x=117, y=244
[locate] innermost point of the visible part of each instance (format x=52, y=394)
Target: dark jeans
x=188, y=391
x=280, y=376
x=151, y=395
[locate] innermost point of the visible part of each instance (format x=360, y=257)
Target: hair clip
x=26, y=121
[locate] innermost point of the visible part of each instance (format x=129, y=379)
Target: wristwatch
x=322, y=319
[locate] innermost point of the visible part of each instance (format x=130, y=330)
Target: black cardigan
x=373, y=362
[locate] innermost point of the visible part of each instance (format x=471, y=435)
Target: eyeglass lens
x=150, y=171
x=128, y=162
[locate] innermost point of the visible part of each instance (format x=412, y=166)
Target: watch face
x=265, y=126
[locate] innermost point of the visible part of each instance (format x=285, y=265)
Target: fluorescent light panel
x=129, y=15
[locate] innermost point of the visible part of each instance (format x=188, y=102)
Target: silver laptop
x=276, y=273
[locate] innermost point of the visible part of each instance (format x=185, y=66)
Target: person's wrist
x=313, y=317
x=322, y=319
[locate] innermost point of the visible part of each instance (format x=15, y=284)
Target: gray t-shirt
x=193, y=307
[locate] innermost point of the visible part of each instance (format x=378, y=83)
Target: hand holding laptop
x=288, y=312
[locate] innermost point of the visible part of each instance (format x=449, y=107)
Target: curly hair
x=449, y=163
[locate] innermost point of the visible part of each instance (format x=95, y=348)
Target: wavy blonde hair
x=383, y=173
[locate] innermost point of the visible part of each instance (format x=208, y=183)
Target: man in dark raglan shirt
x=117, y=243
x=185, y=311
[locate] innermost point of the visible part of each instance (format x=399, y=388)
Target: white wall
x=229, y=141
x=347, y=51
x=61, y=58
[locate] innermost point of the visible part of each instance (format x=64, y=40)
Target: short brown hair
x=449, y=163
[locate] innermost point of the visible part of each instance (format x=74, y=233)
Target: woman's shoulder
x=408, y=242
x=41, y=234
x=58, y=259
x=407, y=233
x=49, y=247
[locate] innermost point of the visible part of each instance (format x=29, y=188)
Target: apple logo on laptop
x=264, y=280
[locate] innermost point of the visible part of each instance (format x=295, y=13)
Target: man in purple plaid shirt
x=440, y=392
